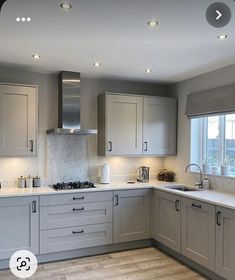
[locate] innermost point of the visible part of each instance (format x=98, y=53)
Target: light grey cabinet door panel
x=76, y=198
x=18, y=120
x=124, y=125
x=198, y=232
x=72, y=238
x=166, y=219
x=225, y=245
x=131, y=215
x=18, y=225
x=58, y=216
x=159, y=126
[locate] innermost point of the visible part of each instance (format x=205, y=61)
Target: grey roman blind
x=211, y=102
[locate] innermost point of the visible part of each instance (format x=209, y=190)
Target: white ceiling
x=115, y=33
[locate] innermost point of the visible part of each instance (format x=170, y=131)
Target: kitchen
x=118, y=217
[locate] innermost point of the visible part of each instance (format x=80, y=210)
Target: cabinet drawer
x=58, y=216
x=75, y=198
x=73, y=238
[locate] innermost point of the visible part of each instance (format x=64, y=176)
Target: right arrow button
x=218, y=14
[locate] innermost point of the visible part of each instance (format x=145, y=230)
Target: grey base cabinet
x=198, y=232
x=225, y=245
x=131, y=212
x=166, y=219
x=18, y=225
x=75, y=220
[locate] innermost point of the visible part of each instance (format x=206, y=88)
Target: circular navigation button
x=218, y=14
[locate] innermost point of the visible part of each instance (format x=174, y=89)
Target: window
x=213, y=144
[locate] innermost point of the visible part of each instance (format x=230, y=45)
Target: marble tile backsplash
x=67, y=158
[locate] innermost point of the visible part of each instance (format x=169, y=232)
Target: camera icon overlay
x=23, y=264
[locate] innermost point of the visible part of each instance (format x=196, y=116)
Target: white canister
x=29, y=182
x=21, y=182
x=105, y=174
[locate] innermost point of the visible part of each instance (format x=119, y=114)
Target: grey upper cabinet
x=225, y=245
x=19, y=219
x=159, y=126
x=18, y=120
x=131, y=215
x=166, y=219
x=120, y=125
x=133, y=125
x=198, y=232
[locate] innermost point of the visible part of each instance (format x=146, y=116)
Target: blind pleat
x=211, y=102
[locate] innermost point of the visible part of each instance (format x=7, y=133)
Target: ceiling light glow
x=152, y=23
x=66, y=6
x=97, y=64
x=36, y=56
x=28, y=19
x=223, y=36
x=18, y=19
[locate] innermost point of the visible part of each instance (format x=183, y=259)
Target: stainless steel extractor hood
x=69, y=106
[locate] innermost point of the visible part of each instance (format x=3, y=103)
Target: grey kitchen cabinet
x=136, y=125
x=225, y=245
x=159, y=126
x=19, y=219
x=166, y=219
x=71, y=221
x=18, y=120
x=131, y=215
x=198, y=232
x=119, y=125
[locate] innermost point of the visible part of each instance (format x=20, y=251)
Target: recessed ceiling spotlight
x=36, y=56
x=23, y=19
x=152, y=23
x=28, y=19
x=66, y=6
x=223, y=36
x=97, y=64
x=148, y=70
x=18, y=19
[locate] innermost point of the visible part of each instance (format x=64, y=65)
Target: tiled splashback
x=66, y=158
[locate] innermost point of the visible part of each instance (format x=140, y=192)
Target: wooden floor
x=141, y=264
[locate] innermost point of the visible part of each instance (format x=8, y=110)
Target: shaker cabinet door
x=166, y=219
x=131, y=215
x=124, y=125
x=159, y=126
x=19, y=220
x=225, y=245
x=198, y=232
x=18, y=120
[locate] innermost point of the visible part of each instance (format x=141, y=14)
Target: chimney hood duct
x=69, y=106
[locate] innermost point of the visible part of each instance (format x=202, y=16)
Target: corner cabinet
x=18, y=120
x=131, y=215
x=166, y=219
x=134, y=125
x=19, y=220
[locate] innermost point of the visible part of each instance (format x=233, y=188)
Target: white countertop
x=214, y=197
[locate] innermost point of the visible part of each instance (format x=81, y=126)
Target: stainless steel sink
x=183, y=188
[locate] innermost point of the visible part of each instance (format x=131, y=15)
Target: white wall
x=74, y=163
x=221, y=77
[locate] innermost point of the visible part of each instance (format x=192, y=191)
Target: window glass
x=213, y=141
x=230, y=141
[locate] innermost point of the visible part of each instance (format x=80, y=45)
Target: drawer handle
x=218, y=218
x=196, y=206
x=78, y=232
x=145, y=146
x=110, y=146
x=78, y=198
x=31, y=145
x=34, y=206
x=78, y=209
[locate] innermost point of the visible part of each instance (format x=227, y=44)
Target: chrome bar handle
x=196, y=206
x=78, y=209
x=78, y=232
x=78, y=198
x=116, y=198
x=145, y=146
x=177, y=208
